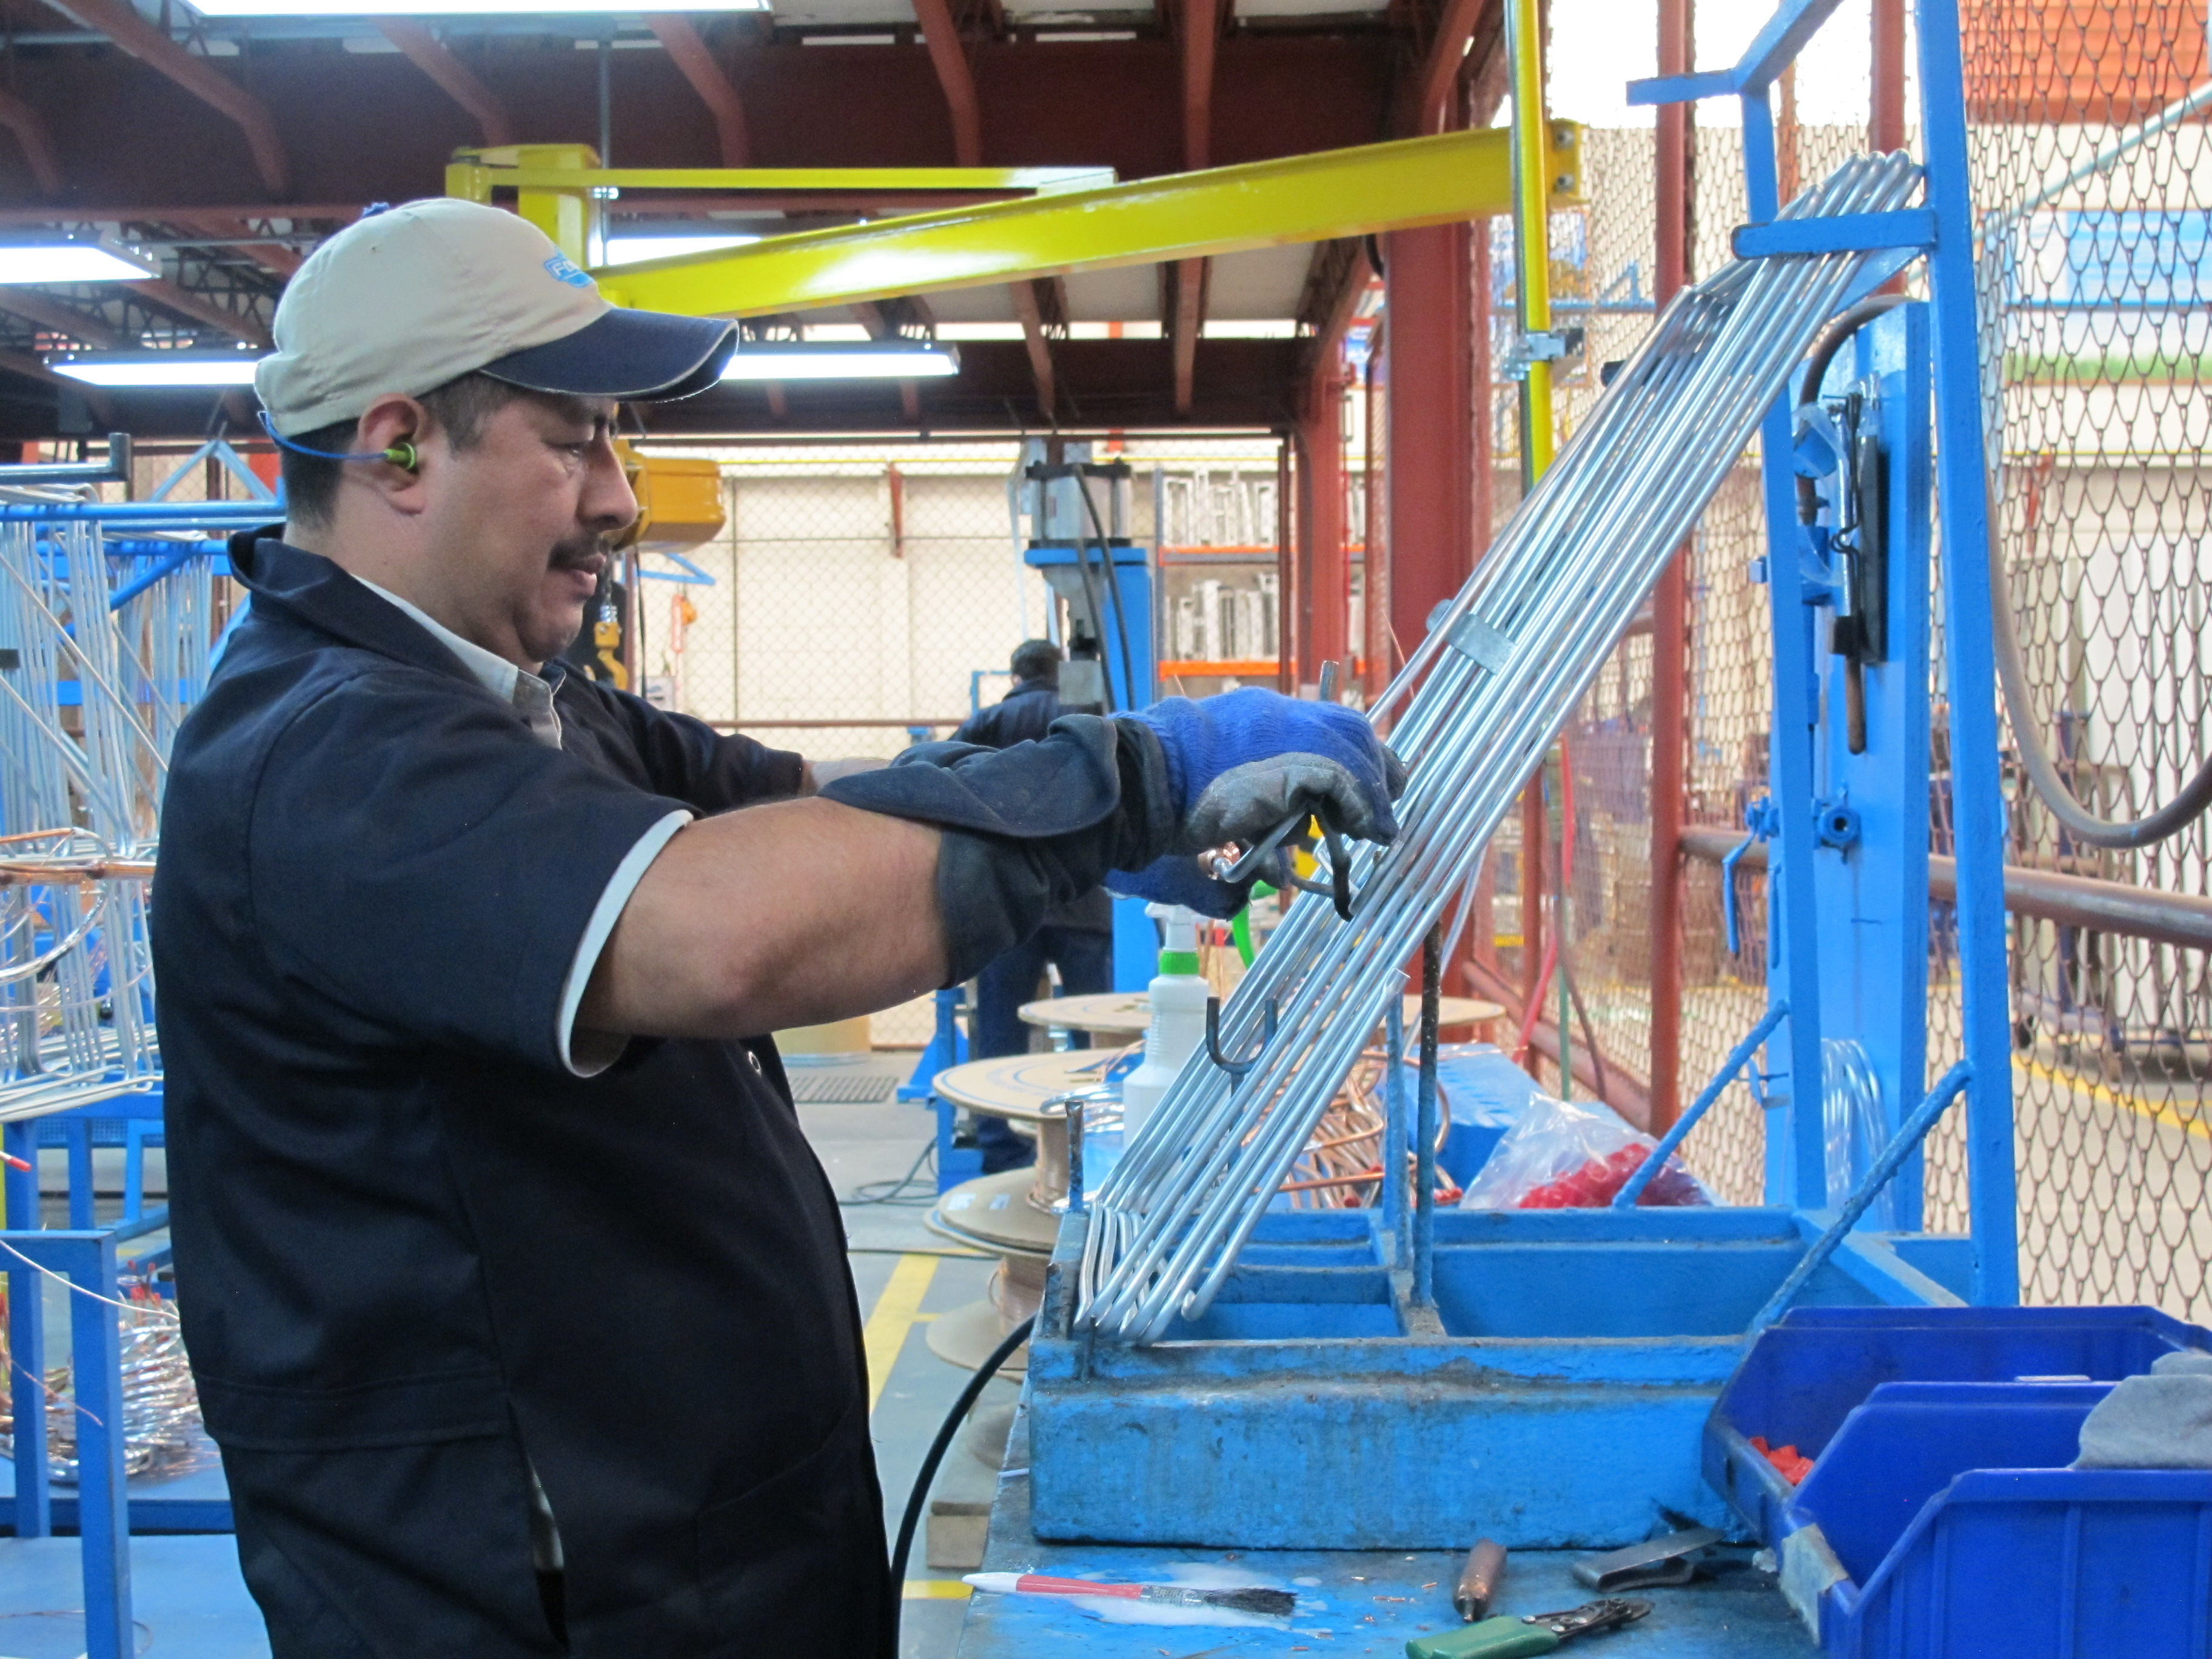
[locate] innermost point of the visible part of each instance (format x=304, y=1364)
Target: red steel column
x=1886, y=118
x=1429, y=278
x=1325, y=602
x=1374, y=549
x=1670, y=612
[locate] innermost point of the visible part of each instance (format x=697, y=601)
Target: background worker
x=1076, y=937
x=515, y=1297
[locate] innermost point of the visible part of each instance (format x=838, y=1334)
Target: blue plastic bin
x=1942, y=1523
x=1805, y=1375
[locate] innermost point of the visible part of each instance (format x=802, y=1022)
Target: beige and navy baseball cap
x=408, y=299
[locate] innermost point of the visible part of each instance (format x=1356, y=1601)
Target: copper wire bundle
x=161, y=1428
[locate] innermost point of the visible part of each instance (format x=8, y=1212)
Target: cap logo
x=565, y=269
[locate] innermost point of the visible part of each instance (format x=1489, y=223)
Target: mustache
x=582, y=553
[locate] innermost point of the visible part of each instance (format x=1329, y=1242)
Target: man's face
x=520, y=524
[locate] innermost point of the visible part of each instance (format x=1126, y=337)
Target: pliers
x=1508, y=1637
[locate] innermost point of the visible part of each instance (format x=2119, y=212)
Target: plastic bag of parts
x=1566, y=1155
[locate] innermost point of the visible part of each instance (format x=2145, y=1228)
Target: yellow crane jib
x=1359, y=192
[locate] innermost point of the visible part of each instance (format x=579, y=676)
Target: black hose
x=2078, y=820
x=1816, y=370
x=937, y=1447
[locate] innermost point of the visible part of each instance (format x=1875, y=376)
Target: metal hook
x=1236, y=1068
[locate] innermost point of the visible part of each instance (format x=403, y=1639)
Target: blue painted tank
x=1553, y=1396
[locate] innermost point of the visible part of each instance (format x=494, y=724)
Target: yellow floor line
x=2136, y=1104
x=936, y=1589
x=895, y=1312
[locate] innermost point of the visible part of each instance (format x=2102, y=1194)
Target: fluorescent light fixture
x=68, y=259
x=632, y=250
x=837, y=361
x=444, y=7
x=157, y=368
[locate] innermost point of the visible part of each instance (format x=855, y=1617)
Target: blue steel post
x=103, y=1508
x=1874, y=889
x=1977, y=806
x=26, y=1340
x=1424, y=1123
x=1396, y=1220
x=1796, y=1170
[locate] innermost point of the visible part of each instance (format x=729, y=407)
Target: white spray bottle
x=1178, y=993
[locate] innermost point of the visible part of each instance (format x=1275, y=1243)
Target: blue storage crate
x=1805, y=1375
x=1483, y=1094
x=1942, y=1523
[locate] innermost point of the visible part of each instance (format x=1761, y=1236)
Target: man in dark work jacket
x=1076, y=937
x=515, y=1297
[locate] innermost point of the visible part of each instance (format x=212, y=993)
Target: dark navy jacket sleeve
x=422, y=873
x=675, y=755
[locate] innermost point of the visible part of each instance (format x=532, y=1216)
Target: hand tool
x=1674, y=1559
x=1508, y=1637
x=1271, y=1603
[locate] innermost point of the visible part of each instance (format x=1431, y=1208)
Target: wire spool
x=1106, y=1013
x=965, y=1336
x=995, y=1213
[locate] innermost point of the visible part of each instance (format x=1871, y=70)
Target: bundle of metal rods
x=1477, y=705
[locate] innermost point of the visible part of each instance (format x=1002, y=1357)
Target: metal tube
x=1738, y=1056
x=1909, y=1135
x=1562, y=585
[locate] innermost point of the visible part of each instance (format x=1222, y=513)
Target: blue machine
x=1079, y=515
x=1554, y=1389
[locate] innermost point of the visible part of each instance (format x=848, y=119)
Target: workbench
x=1351, y=1602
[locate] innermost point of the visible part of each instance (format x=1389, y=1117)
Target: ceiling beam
x=680, y=38
x=1202, y=34
x=877, y=319
x=37, y=143
x=121, y=23
x=22, y=363
x=50, y=314
x=276, y=256
x=451, y=76
x=949, y=57
x=1185, y=323
x=343, y=212
x=201, y=309
x=1038, y=346
x=1440, y=69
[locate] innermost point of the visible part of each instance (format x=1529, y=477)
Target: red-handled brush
x=1268, y=1603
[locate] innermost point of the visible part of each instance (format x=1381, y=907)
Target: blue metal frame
x=86, y=1260
x=1942, y=232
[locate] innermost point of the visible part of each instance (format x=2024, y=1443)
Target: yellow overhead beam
x=474, y=175
x=1302, y=198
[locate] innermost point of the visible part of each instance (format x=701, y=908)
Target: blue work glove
x=1240, y=763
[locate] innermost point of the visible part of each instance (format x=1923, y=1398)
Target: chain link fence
x=2093, y=187
x=2093, y=181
